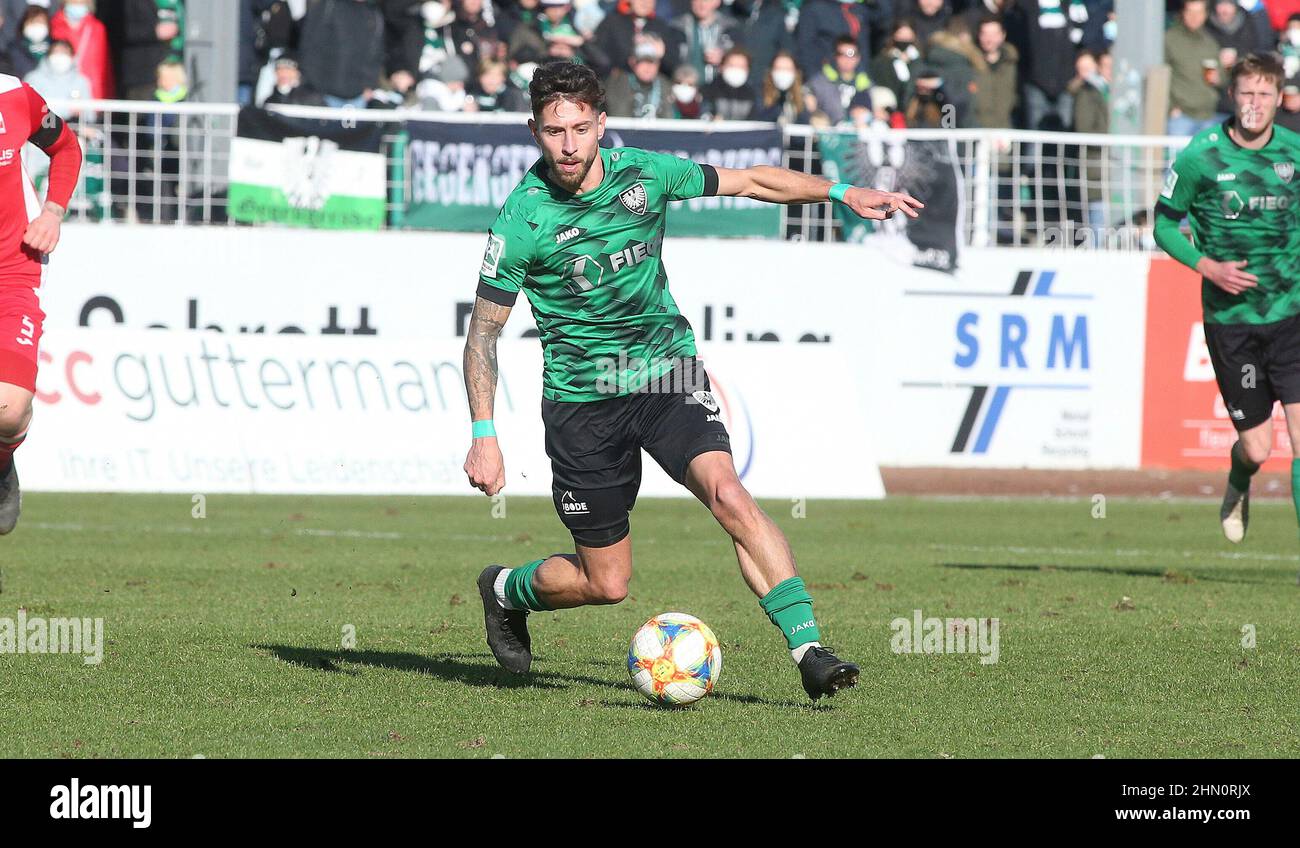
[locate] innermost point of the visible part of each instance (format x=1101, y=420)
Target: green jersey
x=1243, y=204
x=592, y=267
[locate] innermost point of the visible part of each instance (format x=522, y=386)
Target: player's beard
x=572, y=182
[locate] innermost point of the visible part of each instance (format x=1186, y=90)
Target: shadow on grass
x=1199, y=576
x=469, y=670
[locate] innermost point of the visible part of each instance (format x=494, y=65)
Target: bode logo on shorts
x=572, y=506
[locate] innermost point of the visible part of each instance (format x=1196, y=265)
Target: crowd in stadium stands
x=1038, y=64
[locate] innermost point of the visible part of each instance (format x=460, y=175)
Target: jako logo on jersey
x=1285, y=170
x=75, y=801
x=1223, y=178
x=706, y=400
x=568, y=234
x=496, y=248
x=572, y=506
x=635, y=199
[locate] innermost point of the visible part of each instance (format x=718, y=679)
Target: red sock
x=7, y=452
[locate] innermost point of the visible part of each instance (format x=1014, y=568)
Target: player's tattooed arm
x=781, y=185
x=484, y=466
x=480, y=360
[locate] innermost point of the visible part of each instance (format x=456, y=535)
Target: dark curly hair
x=565, y=80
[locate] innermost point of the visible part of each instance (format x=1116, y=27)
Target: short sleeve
x=1179, y=190
x=506, y=259
x=681, y=178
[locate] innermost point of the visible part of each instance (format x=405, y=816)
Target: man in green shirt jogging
x=582, y=234
x=1236, y=183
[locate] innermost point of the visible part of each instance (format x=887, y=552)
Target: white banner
x=169, y=411
x=1022, y=358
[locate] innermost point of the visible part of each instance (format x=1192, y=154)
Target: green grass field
x=224, y=633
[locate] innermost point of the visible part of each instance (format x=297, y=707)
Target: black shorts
x=1255, y=365
x=595, y=449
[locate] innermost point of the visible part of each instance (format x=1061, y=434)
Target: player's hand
x=879, y=205
x=1228, y=276
x=43, y=233
x=485, y=467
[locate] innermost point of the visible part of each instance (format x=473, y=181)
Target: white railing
x=168, y=164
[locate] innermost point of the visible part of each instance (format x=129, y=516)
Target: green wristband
x=484, y=428
x=838, y=191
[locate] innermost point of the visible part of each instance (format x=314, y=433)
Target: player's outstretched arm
x=781, y=185
x=484, y=466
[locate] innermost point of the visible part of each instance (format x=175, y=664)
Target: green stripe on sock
x=789, y=607
x=1243, y=469
x=519, y=587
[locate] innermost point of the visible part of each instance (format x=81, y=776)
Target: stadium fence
x=168, y=164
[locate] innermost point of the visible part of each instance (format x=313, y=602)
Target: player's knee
x=607, y=590
x=1257, y=452
x=14, y=418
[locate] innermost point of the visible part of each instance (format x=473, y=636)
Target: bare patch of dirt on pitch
x=1023, y=482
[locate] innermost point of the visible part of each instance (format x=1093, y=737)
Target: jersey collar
x=1230, y=122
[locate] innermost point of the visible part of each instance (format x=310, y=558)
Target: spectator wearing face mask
x=618, y=32
x=1289, y=46
x=641, y=91
x=731, y=96
x=77, y=24
x=688, y=102
x=784, y=98
x=57, y=77
x=290, y=89
x=840, y=79
x=892, y=67
x=448, y=91
x=33, y=42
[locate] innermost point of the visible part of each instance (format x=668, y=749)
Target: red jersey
x=25, y=117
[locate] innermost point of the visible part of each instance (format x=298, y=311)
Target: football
x=675, y=659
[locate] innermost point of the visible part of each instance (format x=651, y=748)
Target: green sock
x=519, y=587
x=789, y=606
x=1243, y=469
x=1295, y=486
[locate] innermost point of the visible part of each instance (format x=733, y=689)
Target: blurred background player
x=1236, y=184
x=28, y=233
x=582, y=233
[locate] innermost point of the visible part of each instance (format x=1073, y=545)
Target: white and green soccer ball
x=675, y=659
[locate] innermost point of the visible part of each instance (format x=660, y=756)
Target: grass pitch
x=1120, y=636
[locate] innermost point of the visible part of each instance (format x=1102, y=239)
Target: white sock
x=499, y=588
x=798, y=652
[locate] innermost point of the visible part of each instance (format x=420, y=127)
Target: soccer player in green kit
x=1237, y=185
x=582, y=234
